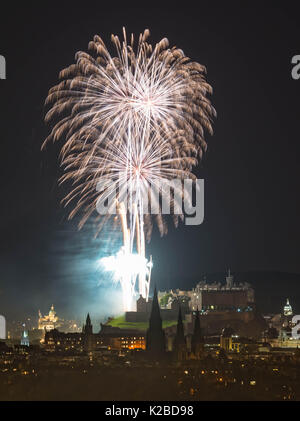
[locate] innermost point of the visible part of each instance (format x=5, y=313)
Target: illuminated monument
x=48, y=322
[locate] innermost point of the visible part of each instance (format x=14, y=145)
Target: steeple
x=155, y=334
x=180, y=349
x=88, y=339
x=179, y=338
x=155, y=317
x=88, y=328
x=197, y=338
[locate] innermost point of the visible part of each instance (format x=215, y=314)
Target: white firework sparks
x=130, y=120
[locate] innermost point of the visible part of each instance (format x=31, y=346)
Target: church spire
x=155, y=311
x=180, y=339
x=155, y=334
x=88, y=320
x=88, y=339
x=155, y=317
x=197, y=338
x=88, y=328
x=180, y=349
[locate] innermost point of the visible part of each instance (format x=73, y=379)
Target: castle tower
x=197, y=338
x=180, y=349
x=155, y=339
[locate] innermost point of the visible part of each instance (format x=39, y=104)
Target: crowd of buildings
x=208, y=351
x=152, y=343
x=209, y=317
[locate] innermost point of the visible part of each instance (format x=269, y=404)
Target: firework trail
x=129, y=121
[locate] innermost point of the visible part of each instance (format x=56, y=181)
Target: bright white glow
x=150, y=265
x=127, y=267
x=125, y=264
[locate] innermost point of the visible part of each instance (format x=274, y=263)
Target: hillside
x=121, y=323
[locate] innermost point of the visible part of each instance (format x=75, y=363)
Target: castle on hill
x=154, y=342
x=208, y=298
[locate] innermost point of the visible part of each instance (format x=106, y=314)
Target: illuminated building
x=209, y=297
x=287, y=310
x=218, y=297
x=233, y=343
x=133, y=342
x=121, y=339
x=48, y=322
x=111, y=338
x=71, y=341
x=285, y=336
x=25, y=337
x=66, y=342
x=229, y=341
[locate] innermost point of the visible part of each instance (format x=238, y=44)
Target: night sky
x=251, y=169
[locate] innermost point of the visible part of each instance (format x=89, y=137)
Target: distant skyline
x=251, y=168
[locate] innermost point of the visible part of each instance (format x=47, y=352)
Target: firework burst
x=129, y=121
